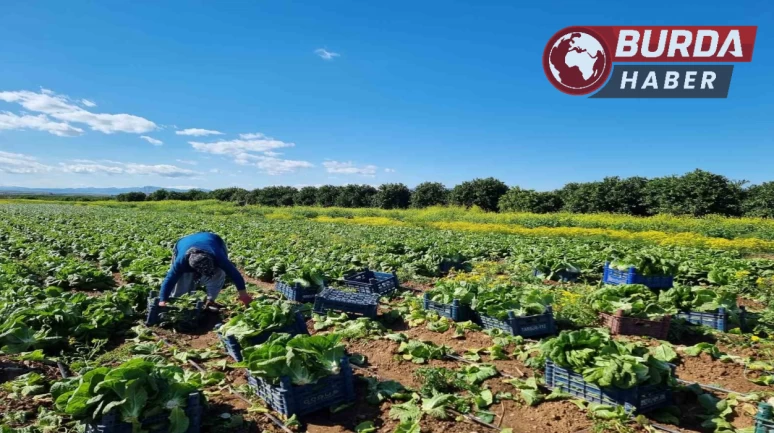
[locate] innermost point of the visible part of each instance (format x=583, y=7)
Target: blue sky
x=403, y=92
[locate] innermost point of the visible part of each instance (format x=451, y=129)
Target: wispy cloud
x=115, y=167
x=254, y=149
x=389, y=170
x=325, y=54
x=152, y=140
x=61, y=108
x=197, y=132
x=41, y=122
x=17, y=163
x=88, y=103
x=349, y=168
x=187, y=161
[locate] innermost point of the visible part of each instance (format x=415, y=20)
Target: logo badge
x=577, y=61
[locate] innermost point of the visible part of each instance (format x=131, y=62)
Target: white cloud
x=389, y=170
x=61, y=108
x=187, y=161
x=214, y=170
x=152, y=140
x=198, y=132
x=17, y=163
x=325, y=54
x=275, y=166
x=40, y=122
x=88, y=103
x=254, y=149
x=113, y=167
x=349, y=168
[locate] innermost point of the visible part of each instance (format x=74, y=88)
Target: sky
x=257, y=93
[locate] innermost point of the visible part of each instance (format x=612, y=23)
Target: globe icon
x=577, y=60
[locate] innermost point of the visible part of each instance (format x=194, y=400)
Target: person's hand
x=162, y=303
x=245, y=298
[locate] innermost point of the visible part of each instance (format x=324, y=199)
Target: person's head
x=202, y=262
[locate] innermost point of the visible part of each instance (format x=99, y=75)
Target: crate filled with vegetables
x=589, y=365
x=184, y=312
x=555, y=267
x=451, y=299
x=356, y=303
x=301, y=285
x=138, y=395
x=257, y=323
x=517, y=311
x=714, y=308
x=297, y=375
x=372, y=282
x=631, y=309
x=651, y=270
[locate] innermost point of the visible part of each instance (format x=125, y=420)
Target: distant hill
x=82, y=191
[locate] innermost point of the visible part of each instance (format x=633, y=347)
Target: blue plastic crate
x=372, y=282
x=296, y=292
x=111, y=422
x=716, y=320
x=630, y=276
x=763, y=419
x=640, y=399
x=235, y=349
x=364, y=304
x=155, y=312
x=456, y=311
x=289, y=399
x=564, y=276
x=526, y=326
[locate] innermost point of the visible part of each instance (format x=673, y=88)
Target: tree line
x=696, y=193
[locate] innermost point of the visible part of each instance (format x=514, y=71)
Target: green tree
x=392, y=196
x=131, y=196
x=232, y=194
x=484, y=193
x=696, y=193
x=158, y=195
x=429, y=194
x=276, y=196
x=356, y=196
x=528, y=200
x=306, y=196
x=327, y=195
x=759, y=201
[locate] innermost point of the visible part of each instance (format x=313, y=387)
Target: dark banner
x=667, y=81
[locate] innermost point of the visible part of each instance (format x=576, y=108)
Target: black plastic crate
x=630, y=276
x=296, y=292
x=191, y=317
x=640, y=399
x=364, y=304
x=526, y=326
x=456, y=310
x=716, y=320
x=290, y=399
x=563, y=276
x=111, y=422
x=235, y=349
x=372, y=282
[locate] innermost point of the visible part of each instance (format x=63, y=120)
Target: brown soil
x=751, y=304
x=9, y=370
x=705, y=370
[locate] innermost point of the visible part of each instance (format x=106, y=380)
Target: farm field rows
x=74, y=282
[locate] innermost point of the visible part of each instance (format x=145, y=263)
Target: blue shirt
x=209, y=242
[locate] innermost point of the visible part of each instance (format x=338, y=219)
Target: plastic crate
x=640, y=399
x=235, y=349
x=717, y=320
x=290, y=399
x=763, y=419
x=564, y=276
x=372, y=282
x=630, y=276
x=526, y=326
x=155, y=311
x=296, y=292
x=622, y=325
x=364, y=304
x=111, y=422
x=455, y=311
